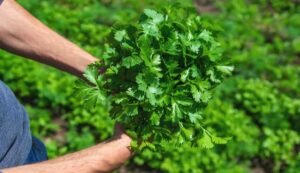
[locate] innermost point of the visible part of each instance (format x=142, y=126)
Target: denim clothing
x=17, y=146
x=37, y=153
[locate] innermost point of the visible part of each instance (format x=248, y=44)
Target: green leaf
x=194, y=72
x=195, y=117
x=157, y=17
x=142, y=85
x=206, y=96
x=130, y=92
x=225, y=69
x=156, y=60
x=187, y=133
x=155, y=119
x=154, y=90
x=91, y=95
x=131, y=61
x=133, y=135
x=171, y=47
x=176, y=112
x=180, y=139
x=151, y=96
x=205, y=141
x=205, y=35
x=195, y=46
x=134, y=144
x=147, y=145
x=213, y=76
x=184, y=75
x=131, y=110
x=109, y=52
x=119, y=35
x=184, y=100
x=151, y=29
x=219, y=140
x=215, y=52
x=91, y=74
x=196, y=93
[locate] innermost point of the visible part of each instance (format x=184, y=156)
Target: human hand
x=115, y=151
x=104, y=157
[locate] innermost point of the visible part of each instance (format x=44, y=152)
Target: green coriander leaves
x=159, y=76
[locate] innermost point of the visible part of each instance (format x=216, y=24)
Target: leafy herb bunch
x=158, y=78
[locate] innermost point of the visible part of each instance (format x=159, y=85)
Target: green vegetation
x=259, y=106
x=158, y=78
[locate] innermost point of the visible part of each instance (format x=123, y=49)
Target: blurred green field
x=259, y=106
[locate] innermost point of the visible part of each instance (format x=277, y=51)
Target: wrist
x=83, y=64
x=74, y=62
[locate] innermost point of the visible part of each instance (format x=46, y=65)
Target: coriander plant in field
x=158, y=78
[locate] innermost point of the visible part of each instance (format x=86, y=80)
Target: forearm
x=100, y=158
x=22, y=34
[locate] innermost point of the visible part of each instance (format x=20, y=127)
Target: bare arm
x=22, y=34
x=98, y=159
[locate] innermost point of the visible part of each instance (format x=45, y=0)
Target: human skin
x=100, y=158
x=24, y=35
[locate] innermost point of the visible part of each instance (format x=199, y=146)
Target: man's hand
x=103, y=157
x=22, y=34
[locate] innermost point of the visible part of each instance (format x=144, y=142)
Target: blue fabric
x=37, y=153
x=0, y=4
x=17, y=146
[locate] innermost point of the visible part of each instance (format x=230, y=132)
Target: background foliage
x=259, y=106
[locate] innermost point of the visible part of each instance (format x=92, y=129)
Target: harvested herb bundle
x=158, y=78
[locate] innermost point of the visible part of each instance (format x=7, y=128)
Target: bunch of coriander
x=158, y=79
